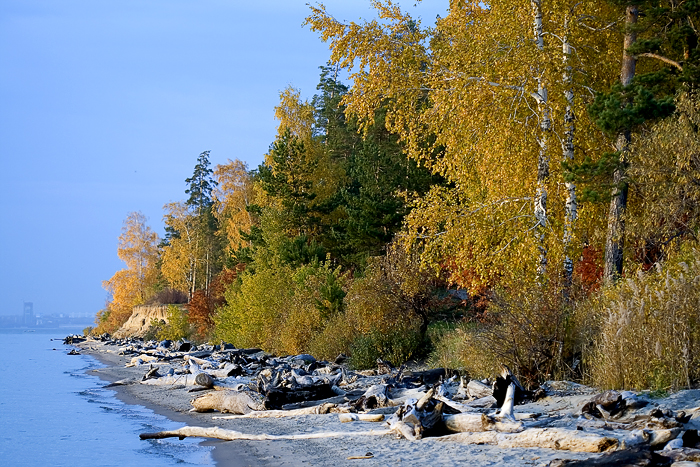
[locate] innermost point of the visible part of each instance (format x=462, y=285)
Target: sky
x=105, y=106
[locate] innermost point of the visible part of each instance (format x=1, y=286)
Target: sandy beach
x=173, y=402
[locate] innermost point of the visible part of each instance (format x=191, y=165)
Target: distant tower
x=28, y=315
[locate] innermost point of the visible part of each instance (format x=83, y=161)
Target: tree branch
x=663, y=59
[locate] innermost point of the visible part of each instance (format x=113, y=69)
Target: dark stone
x=275, y=398
x=691, y=439
x=639, y=457
x=609, y=400
x=427, y=377
x=74, y=339
x=341, y=358
x=184, y=347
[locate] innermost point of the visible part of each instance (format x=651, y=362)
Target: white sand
x=173, y=402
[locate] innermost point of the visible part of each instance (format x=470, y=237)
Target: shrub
x=177, y=326
x=168, y=296
x=531, y=331
x=650, y=328
x=199, y=314
x=154, y=328
x=386, y=313
x=317, y=298
x=396, y=346
x=527, y=326
x=465, y=349
x=88, y=331
x=254, y=307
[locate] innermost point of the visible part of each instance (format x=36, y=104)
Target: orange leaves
x=138, y=248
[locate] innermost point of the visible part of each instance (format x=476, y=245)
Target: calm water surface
x=53, y=414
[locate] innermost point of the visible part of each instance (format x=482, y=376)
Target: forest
x=515, y=183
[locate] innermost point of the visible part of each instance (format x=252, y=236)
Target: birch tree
x=184, y=258
x=129, y=287
x=486, y=85
x=232, y=198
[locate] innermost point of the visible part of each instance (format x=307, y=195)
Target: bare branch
x=663, y=59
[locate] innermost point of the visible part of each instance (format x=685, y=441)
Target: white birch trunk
x=540, y=209
x=571, y=207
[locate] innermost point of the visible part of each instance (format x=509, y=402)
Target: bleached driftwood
x=477, y=389
x=475, y=422
x=455, y=405
x=504, y=421
x=360, y=417
x=172, y=380
x=550, y=438
x=506, y=412
x=418, y=418
x=231, y=435
x=238, y=402
x=314, y=403
x=400, y=396
x=200, y=362
x=483, y=403
x=652, y=438
x=141, y=360
x=316, y=410
x=375, y=396
x=228, y=370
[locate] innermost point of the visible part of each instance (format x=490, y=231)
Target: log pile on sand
x=248, y=383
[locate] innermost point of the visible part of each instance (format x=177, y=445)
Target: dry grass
x=650, y=329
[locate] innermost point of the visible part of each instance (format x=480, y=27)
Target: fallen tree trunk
x=317, y=410
x=238, y=402
x=475, y=422
x=477, y=389
x=550, y=438
x=330, y=400
x=231, y=435
x=360, y=417
x=483, y=403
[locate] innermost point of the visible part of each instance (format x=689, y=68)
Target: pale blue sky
x=105, y=106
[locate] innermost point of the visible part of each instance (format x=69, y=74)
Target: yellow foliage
x=473, y=82
x=233, y=194
x=184, y=263
x=138, y=248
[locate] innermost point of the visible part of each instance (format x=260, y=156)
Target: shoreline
x=224, y=454
x=173, y=402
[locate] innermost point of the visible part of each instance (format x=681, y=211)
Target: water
x=54, y=414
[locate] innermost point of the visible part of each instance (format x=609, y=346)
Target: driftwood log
x=360, y=417
x=231, y=435
x=375, y=396
x=316, y=410
x=551, y=438
x=477, y=389
x=237, y=402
